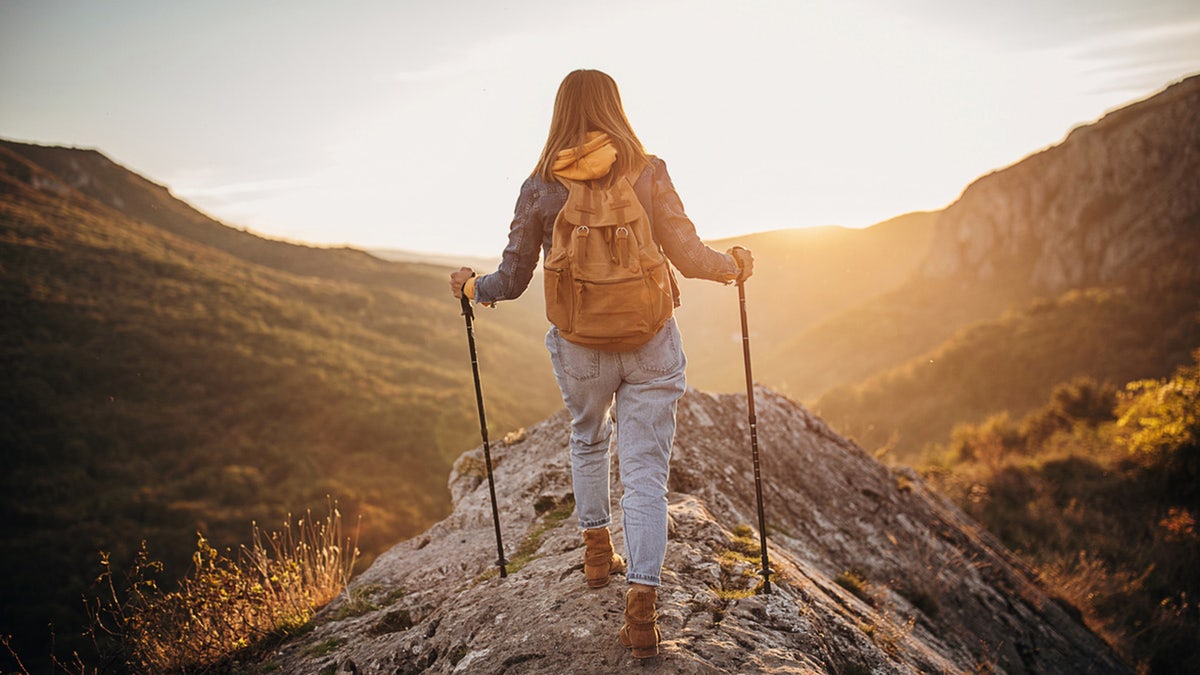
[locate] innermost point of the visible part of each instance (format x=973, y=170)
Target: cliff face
x=1116, y=200
x=874, y=573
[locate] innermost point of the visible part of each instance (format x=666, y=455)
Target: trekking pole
x=487, y=453
x=762, y=526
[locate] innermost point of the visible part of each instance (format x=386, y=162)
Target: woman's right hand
x=744, y=260
x=457, y=279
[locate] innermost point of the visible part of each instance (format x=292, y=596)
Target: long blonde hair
x=588, y=100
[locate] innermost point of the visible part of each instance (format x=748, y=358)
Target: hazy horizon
x=365, y=126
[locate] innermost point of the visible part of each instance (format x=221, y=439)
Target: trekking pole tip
x=766, y=574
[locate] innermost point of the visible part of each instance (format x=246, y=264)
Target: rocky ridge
x=874, y=573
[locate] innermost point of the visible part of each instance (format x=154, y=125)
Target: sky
x=395, y=124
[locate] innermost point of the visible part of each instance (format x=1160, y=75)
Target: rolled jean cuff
x=593, y=524
x=642, y=579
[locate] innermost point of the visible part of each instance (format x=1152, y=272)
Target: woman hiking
x=629, y=381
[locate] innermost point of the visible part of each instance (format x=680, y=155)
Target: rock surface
x=873, y=572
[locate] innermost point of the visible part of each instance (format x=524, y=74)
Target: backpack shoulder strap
x=642, y=190
x=646, y=197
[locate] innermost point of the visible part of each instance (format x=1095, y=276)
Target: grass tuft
x=361, y=601
x=855, y=581
x=227, y=604
x=323, y=647
x=527, y=550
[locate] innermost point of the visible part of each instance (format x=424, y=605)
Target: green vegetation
x=170, y=375
x=364, y=599
x=740, y=566
x=1014, y=363
x=1100, y=490
x=527, y=550
x=745, y=542
x=323, y=647
x=552, y=517
x=457, y=654
x=740, y=576
x=855, y=581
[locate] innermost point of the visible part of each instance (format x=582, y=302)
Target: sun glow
x=368, y=125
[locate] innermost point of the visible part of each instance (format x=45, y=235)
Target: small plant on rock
x=854, y=581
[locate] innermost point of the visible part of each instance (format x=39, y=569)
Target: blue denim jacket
x=533, y=226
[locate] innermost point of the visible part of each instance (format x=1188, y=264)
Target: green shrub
x=1103, y=504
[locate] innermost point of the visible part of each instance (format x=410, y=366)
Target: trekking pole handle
x=467, y=311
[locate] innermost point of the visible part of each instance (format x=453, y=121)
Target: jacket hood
x=592, y=160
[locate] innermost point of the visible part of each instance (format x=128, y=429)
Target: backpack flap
x=607, y=283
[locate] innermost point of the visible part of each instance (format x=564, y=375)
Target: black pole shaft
x=762, y=526
x=487, y=453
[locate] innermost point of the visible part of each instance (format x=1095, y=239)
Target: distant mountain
x=1117, y=202
x=168, y=374
x=439, y=259
x=802, y=276
x=1080, y=260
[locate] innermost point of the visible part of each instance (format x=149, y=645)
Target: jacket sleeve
x=520, y=256
x=677, y=235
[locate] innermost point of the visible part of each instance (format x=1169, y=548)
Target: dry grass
x=228, y=604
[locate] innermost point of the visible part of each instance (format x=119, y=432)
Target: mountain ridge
x=1112, y=210
x=873, y=572
x=1070, y=209
x=803, y=276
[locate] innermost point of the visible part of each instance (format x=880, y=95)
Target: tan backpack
x=608, y=284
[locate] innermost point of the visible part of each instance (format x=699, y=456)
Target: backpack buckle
x=622, y=245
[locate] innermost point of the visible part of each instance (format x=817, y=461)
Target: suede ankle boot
x=640, y=632
x=599, y=560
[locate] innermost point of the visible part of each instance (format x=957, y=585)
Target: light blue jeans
x=640, y=390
